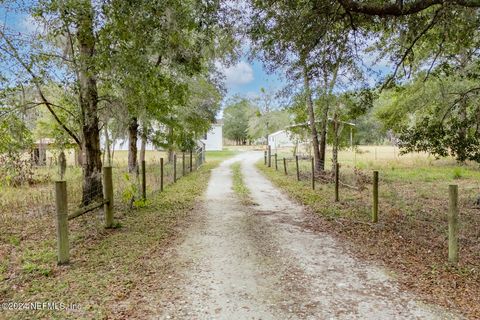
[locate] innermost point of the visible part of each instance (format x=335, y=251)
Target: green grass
x=219, y=155
x=239, y=186
x=319, y=199
x=106, y=265
x=429, y=174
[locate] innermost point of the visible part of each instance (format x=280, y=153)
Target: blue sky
x=247, y=77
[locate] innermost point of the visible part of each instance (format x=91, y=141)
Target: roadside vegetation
x=107, y=266
x=239, y=186
x=411, y=236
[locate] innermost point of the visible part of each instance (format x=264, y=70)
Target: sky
x=247, y=77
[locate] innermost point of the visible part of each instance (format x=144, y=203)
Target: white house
x=122, y=144
x=280, y=139
x=213, y=139
x=285, y=138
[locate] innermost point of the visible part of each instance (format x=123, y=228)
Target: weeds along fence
x=410, y=208
x=121, y=186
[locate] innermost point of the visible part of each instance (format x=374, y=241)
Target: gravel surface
x=261, y=262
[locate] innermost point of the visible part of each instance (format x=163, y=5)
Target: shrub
x=15, y=170
x=457, y=173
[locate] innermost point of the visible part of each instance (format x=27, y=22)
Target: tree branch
x=410, y=48
x=400, y=8
x=14, y=54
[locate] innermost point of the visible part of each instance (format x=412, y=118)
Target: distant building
x=280, y=139
x=121, y=144
x=213, y=139
x=285, y=138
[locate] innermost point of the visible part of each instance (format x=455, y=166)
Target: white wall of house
x=213, y=141
x=214, y=138
x=280, y=139
x=122, y=144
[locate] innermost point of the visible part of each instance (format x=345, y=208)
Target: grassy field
x=411, y=236
x=106, y=265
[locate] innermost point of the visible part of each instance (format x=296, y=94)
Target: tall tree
x=93, y=51
x=440, y=115
x=293, y=37
x=88, y=99
x=236, y=117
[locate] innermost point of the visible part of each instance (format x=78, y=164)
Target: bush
x=457, y=173
x=15, y=170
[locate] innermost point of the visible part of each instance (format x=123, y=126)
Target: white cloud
x=252, y=95
x=29, y=25
x=241, y=73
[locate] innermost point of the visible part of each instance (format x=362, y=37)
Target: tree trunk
x=170, y=144
x=62, y=164
x=132, y=146
x=335, y=141
x=79, y=156
x=311, y=118
x=143, y=145
x=92, y=166
x=329, y=85
x=323, y=136
x=107, y=146
x=266, y=133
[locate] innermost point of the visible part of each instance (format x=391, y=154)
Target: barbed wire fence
x=381, y=198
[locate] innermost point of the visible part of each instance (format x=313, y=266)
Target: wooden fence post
x=298, y=169
x=276, y=163
x=265, y=157
x=337, y=173
x=285, y=166
x=144, y=181
x=174, y=168
x=63, y=246
x=269, y=156
x=313, y=174
x=161, y=174
x=375, y=197
x=183, y=163
x=191, y=160
x=108, y=194
x=453, y=225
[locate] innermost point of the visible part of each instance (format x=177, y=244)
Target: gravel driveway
x=260, y=262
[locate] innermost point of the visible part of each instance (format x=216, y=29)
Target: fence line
x=305, y=169
x=62, y=212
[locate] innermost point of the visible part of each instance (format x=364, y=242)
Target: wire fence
x=38, y=199
x=414, y=205
x=115, y=192
x=132, y=187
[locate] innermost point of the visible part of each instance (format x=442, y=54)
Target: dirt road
x=260, y=262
